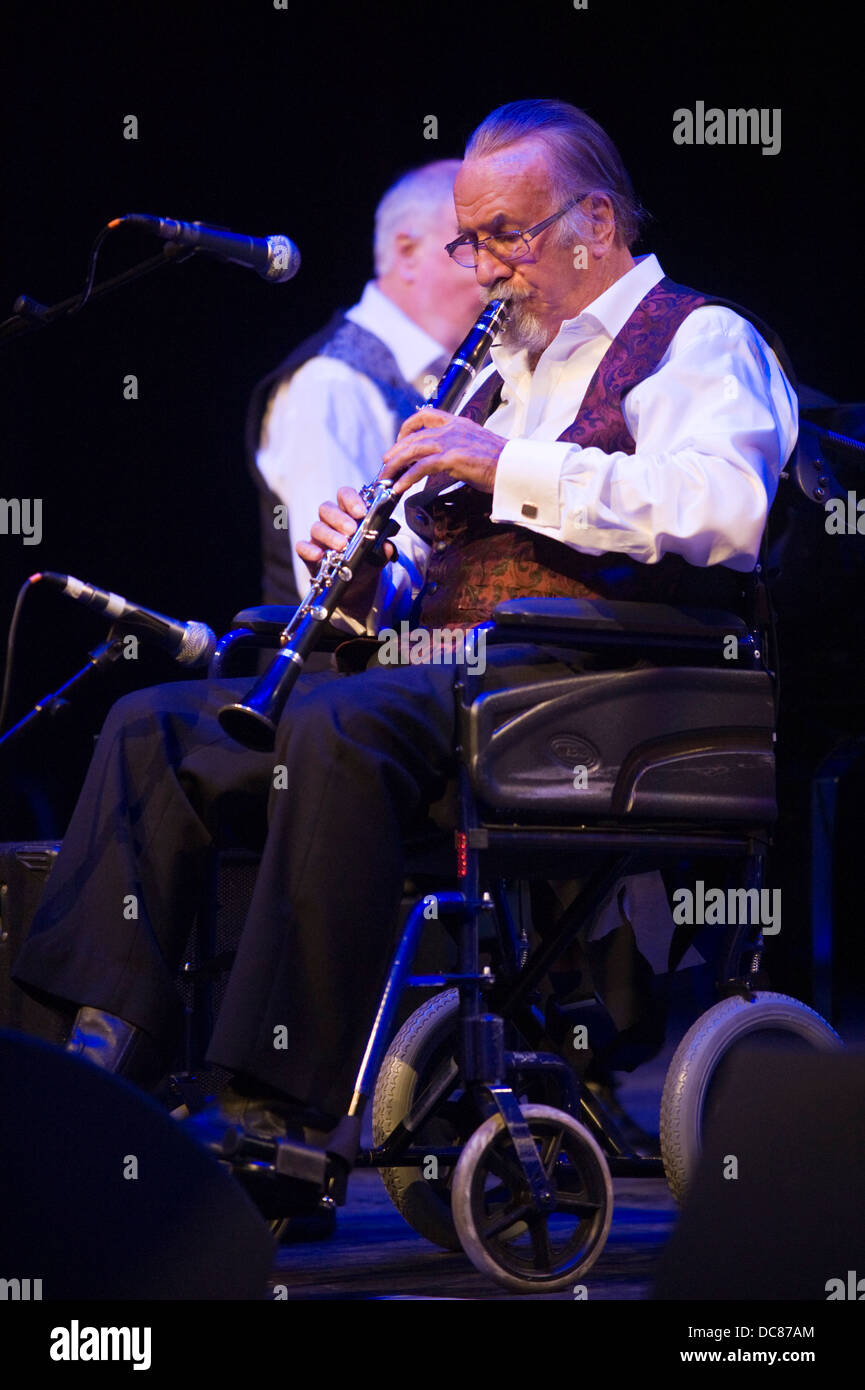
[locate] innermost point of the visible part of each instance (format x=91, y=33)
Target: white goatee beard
x=523, y=328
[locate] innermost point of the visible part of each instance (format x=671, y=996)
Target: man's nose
x=490, y=269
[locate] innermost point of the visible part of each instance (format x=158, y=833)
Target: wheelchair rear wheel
x=425, y=1041
x=501, y=1230
x=695, y=1075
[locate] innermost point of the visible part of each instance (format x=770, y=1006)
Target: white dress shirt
x=328, y=426
x=713, y=426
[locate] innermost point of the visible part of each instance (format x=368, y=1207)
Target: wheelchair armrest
x=262, y=627
x=268, y=620
x=604, y=622
x=265, y=620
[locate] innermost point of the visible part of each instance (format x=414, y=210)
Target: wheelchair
x=486, y=1135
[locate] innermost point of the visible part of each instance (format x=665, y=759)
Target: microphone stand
x=100, y=658
x=28, y=314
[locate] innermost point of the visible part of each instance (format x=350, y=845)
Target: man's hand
x=336, y=525
x=432, y=441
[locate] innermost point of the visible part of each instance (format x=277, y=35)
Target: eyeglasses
x=506, y=246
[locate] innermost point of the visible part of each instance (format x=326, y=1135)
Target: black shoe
x=242, y=1131
x=117, y=1046
x=257, y=1117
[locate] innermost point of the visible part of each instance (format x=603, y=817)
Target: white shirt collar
x=412, y=347
x=609, y=312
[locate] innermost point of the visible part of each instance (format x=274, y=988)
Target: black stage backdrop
x=264, y=119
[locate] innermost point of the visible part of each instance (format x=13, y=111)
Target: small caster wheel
x=501, y=1229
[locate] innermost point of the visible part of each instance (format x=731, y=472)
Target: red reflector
x=462, y=853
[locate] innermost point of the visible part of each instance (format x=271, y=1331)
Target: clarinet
x=253, y=721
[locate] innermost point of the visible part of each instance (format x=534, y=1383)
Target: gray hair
x=411, y=205
x=581, y=158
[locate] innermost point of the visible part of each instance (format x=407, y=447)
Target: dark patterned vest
x=475, y=564
x=365, y=352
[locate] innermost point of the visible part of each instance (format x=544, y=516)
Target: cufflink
x=529, y=511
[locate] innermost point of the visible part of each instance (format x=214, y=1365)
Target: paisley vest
x=475, y=564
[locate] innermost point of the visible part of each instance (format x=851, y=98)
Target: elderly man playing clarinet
x=625, y=441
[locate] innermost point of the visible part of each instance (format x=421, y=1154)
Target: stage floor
x=375, y=1254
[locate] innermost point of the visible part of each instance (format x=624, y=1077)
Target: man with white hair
x=326, y=415
x=625, y=443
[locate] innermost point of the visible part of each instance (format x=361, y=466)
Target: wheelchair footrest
x=302, y=1163
x=298, y=1168
x=289, y=1158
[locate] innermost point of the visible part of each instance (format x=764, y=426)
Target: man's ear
x=603, y=219
x=406, y=247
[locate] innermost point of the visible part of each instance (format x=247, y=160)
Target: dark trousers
x=357, y=761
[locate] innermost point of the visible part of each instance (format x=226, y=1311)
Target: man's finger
x=351, y=502
x=423, y=419
x=313, y=554
x=327, y=538
x=422, y=469
x=401, y=454
x=335, y=517
x=309, y=553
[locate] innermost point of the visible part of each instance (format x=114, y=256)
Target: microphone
x=191, y=644
x=274, y=258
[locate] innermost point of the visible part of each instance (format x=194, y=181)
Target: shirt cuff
x=527, y=483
